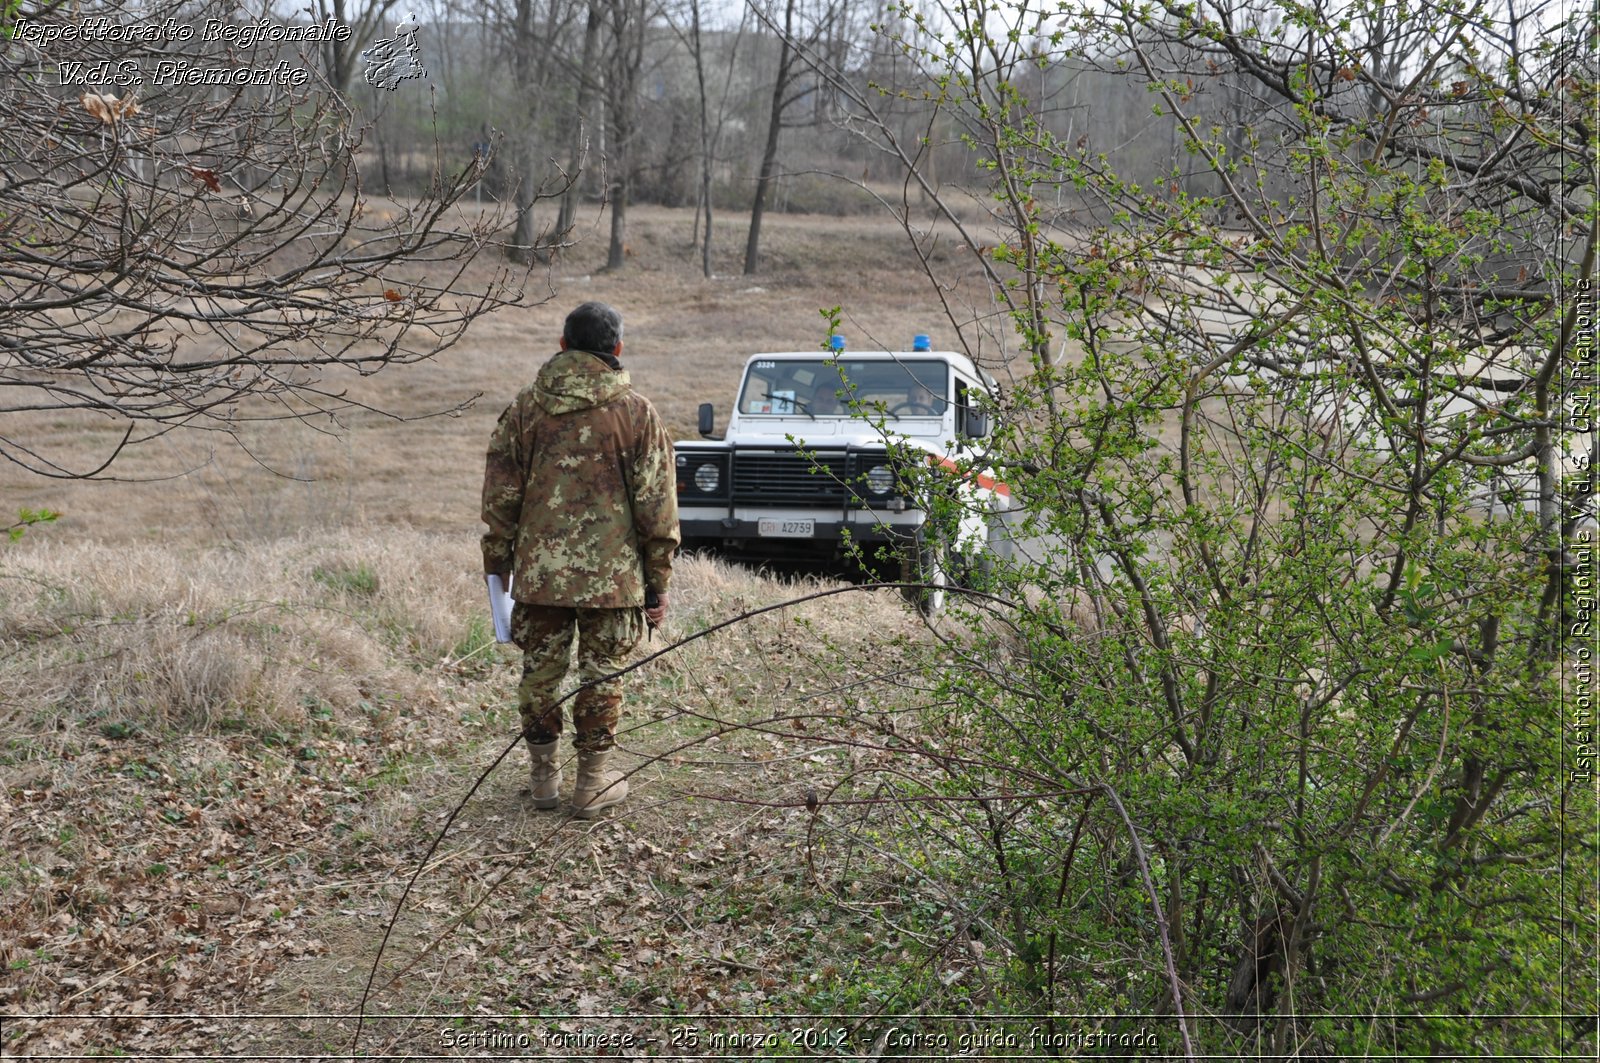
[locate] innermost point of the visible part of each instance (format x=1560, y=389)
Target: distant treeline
x=472, y=98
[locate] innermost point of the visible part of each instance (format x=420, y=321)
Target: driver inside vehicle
x=920, y=401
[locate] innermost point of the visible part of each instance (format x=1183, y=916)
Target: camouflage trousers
x=606, y=637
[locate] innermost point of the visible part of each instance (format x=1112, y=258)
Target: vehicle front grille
x=812, y=478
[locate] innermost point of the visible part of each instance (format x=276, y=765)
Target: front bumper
x=832, y=538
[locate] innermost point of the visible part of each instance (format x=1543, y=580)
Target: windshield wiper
x=795, y=403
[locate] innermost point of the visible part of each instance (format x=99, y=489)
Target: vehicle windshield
x=827, y=387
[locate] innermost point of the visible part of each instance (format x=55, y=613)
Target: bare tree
x=812, y=43
x=340, y=54
x=698, y=43
x=537, y=37
x=176, y=249
x=626, y=21
x=697, y=47
x=578, y=134
x=781, y=86
x=710, y=126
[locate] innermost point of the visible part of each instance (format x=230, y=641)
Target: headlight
x=708, y=477
x=880, y=479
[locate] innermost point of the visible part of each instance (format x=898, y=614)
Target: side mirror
x=708, y=420
x=977, y=424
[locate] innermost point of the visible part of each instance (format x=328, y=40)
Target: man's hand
x=658, y=612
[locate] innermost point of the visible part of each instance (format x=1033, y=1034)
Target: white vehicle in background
x=813, y=466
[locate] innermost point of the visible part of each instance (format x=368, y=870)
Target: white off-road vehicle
x=817, y=465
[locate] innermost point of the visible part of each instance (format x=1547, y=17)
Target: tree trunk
x=383, y=158
x=339, y=58
x=619, y=221
x=769, y=157
x=525, y=235
x=705, y=138
x=578, y=148
x=627, y=29
x=524, y=65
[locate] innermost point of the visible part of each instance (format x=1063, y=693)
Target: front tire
x=928, y=566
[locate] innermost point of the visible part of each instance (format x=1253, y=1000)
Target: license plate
x=787, y=529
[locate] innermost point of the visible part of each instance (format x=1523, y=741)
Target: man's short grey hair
x=593, y=327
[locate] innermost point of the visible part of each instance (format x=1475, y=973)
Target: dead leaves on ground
x=215, y=874
x=145, y=878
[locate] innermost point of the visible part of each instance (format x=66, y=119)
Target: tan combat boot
x=545, y=774
x=596, y=788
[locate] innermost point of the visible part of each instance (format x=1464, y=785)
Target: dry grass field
x=243, y=689
x=687, y=338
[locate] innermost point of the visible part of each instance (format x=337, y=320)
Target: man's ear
x=563, y=343
x=616, y=352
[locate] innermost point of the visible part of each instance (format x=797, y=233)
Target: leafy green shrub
x=1272, y=731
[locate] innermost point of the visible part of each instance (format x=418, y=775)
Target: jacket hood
x=577, y=380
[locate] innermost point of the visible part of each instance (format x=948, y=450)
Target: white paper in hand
x=500, y=607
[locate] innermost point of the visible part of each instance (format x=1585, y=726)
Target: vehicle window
x=828, y=388
x=965, y=390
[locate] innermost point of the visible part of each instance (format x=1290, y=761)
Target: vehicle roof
x=955, y=358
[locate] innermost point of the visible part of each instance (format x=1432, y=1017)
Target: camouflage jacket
x=579, y=491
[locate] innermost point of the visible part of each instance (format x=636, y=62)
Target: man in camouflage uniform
x=580, y=497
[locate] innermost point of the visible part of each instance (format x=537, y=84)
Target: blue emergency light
x=920, y=342
x=836, y=342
